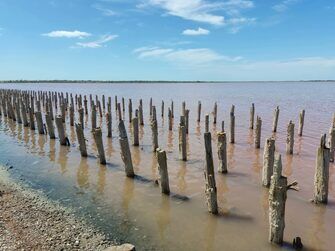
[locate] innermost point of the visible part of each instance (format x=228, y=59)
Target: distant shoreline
x=147, y=81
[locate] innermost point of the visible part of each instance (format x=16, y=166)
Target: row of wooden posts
x=20, y=106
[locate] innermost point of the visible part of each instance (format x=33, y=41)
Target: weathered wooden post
x=206, y=123
x=24, y=115
x=31, y=119
x=258, y=132
x=187, y=114
x=71, y=115
x=130, y=110
x=97, y=134
x=211, y=192
x=252, y=116
x=232, y=125
x=109, y=124
x=268, y=161
x=172, y=109
x=119, y=111
x=140, y=113
x=62, y=107
x=163, y=171
x=93, y=117
x=277, y=201
x=81, y=139
x=162, y=107
x=321, y=178
x=39, y=120
x=154, y=130
x=222, y=126
x=301, y=122
x=135, y=131
x=125, y=151
x=199, y=111
x=61, y=130
x=222, y=152
x=183, y=108
x=115, y=103
x=182, y=142
x=18, y=111
x=275, y=119
x=81, y=117
x=170, y=120
x=123, y=105
x=215, y=113
x=290, y=138
x=85, y=106
x=332, y=144
x=50, y=126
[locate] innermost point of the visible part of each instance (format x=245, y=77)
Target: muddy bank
x=29, y=221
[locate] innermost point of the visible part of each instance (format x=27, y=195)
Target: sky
x=230, y=40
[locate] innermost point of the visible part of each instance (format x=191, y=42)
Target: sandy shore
x=29, y=221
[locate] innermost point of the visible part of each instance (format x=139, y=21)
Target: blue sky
x=167, y=39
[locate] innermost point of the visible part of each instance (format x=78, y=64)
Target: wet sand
x=136, y=212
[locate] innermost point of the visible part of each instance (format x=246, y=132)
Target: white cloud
x=284, y=5
x=196, y=56
x=98, y=43
x=199, y=31
x=67, y=34
x=105, y=11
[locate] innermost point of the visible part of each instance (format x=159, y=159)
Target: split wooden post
x=109, y=124
x=81, y=139
x=97, y=134
x=321, y=178
x=50, y=126
x=232, y=125
x=199, y=111
x=258, y=132
x=163, y=171
x=301, y=122
x=182, y=143
x=268, y=161
x=61, y=130
x=93, y=117
x=154, y=131
x=277, y=201
x=125, y=151
x=135, y=131
x=81, y=117
x=211, y=192
x=252, y=116
x=222, y=152
x=206, y=123
x=332, y=144
x=71, y=115
x=39, y=120
x=275, y=119
x=290, y=138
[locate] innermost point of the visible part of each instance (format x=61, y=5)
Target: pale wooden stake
x=39, y=120
x=93, y=117
x=199, y=111
x=135, y=131
x=50, y=126
x=275, y=119
x=290, y=138
x=71, y=115
x=182, y=143
x=332, y=144
x=258, y=132
x=130, y=110
x=163, y=171
x=81, y=117
x=301, y=122
x=81, y=139
x=125, y=151
x=268, y=161
x=222, y=152
x=154, y=131
x=252, y=116
x=61, y=130
x=97, y=134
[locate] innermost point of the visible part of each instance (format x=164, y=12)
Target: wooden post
x=140, y=113
x=275, y=119
x=290, y=138
x=332, y=144
x=232, y=125
x=252, y=116
x=123, y=105
x=115, y=103
x=81, y=139
x=277, y=201
x=182, y=143
x=18, y=112
x=321, y=178
x=109, y=124
x=222, y=152
x=85, y=106
x=62, y=107
x=125, y=151
x=50, y=126
x=119, y=111
x=206, y=123
x=93, y=117
x=211, y=192
x=301, y=122
x=61, y=130
x=170, y=120
x=130, y=110
x=172, y=109
x=268, y=161
x=187, y=114
x=154, y=130
x=135, y=131
x=81, y=117
x=162, y=107
x=97, y=134
x=215, y=113
x=199, y=111
x=39, y=120
x=183, y=108
x=71, y=115
x=163, y=171
x=24, y=115
x=258, y=132
x=31, y=119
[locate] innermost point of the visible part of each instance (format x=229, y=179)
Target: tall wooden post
x=258, y=132
x=290, y=138
x=135, y=131
x=268, y=161
x=301, y=122
x=125, y=151
x=61, y=130
x=154, y=131
x=81, y=140
x=252, y=116
x=109, y=124
x=97, y=134
x=163, y=171
x=199, y=111
x=39, y=120
x=182, y=143
x=206, y=123
x=222, y=152
x=215, y=113
x=50, y=126
x=232, y=125
x=275, y=119
x=332, y=144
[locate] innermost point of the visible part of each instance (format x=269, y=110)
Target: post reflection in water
x=170, y=141
x=288, y=166
x=63, y=158
x=127, y=194
x=52, y=150
x=41, y=142
x=33, y=140
x=210, y=232
x=317, y=229
x=109, y=149
x=72, y=135
x=154, y=166
x=136, y=157
x=82, y=174
x=181, y=183
x=101, y=179
x=163, y=216
x=231, y=157
x=26, y=135
x=256, y=165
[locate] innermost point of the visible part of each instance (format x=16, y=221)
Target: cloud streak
x=284, y=5
x=98, y=43
x=198, y=32
x=67, y=34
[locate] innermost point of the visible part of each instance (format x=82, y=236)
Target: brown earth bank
x=29, y=221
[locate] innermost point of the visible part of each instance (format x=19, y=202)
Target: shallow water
x=135, y=211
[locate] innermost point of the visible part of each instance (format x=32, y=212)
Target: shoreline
x=30, y=221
